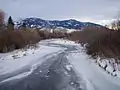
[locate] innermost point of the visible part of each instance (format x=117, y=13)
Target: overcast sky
x=82, y=10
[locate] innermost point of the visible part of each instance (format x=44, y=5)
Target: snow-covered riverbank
x=92, y=76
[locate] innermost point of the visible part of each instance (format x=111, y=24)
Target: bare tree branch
x=2, y=16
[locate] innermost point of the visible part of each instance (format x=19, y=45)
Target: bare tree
x=113, y=24
x=116, y=23
x=2, y=16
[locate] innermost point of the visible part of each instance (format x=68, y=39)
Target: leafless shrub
x=10, y=40
x=100, y=41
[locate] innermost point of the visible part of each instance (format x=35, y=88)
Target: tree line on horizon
x=12, y=38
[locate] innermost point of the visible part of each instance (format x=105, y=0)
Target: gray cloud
x=61, y=9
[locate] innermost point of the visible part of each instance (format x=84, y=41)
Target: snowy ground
x=93, y=73
x=58, y=64
x=11, y=62
x=110, y=66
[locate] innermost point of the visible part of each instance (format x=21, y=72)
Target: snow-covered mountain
x=68, y=24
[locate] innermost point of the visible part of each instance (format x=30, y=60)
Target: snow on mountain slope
x=67, y=24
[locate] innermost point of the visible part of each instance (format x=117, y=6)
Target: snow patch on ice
x=64, y=42
x=15, y=77
x=69, y=67
x=25, y=74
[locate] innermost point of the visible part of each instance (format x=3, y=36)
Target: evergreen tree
x=10, y=24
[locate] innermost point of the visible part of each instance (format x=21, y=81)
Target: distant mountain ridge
x=68, y=24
